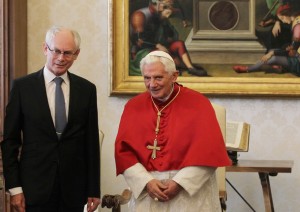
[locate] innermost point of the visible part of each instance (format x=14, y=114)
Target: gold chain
x=159, y=111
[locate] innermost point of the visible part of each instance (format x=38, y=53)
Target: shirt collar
x=49, y=76
x=167, y=97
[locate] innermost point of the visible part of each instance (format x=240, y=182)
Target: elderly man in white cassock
x=169, y=144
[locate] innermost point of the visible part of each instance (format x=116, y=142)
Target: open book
x=237, y=136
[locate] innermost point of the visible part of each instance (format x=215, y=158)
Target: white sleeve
x=137, y=177
x=14, y=191
x=192, y=178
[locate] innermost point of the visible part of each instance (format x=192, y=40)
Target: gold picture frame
x=124, y=84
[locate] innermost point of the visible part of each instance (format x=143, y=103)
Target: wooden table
x=264, y=168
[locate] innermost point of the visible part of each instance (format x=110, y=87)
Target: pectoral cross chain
x=157, y=122
x=155, y=148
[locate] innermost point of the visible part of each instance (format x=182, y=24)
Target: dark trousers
x=55, y=203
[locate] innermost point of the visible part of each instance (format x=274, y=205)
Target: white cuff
x=137, y=177
x=192, y=178
x=14, y=191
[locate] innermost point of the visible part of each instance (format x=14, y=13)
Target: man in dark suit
x=46, y=170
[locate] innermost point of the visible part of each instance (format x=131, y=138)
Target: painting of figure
x=285, y=58
x=151, y=29
x=168, y=25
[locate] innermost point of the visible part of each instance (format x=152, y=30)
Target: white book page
x=233, y=134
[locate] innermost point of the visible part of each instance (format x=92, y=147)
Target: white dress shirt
x=50, y=89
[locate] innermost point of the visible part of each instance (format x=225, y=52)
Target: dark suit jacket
x=75, y=157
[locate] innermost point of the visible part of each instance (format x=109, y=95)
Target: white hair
x=159, y=56
x=55, y=29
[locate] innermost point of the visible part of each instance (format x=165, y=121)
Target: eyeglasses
x=66, y=54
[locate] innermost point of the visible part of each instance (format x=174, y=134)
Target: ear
x=76, y=54
x=45, y=49
x=175, y=75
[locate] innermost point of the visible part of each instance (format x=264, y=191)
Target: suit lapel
x=44, y=105
x=73, y=101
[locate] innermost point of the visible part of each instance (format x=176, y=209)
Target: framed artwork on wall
x=216, y=34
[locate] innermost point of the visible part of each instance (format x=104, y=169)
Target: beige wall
x=274, y=122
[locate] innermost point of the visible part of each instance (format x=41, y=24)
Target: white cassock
x=200, y=191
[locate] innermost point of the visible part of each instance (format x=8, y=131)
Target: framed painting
x=216, y=35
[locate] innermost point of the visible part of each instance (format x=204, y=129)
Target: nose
x=152, y=82
x=61, y=56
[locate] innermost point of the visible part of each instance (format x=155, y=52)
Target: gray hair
x=55, y=29
x=159, y=56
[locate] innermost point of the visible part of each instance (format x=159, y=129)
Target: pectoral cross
x=154, y=148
